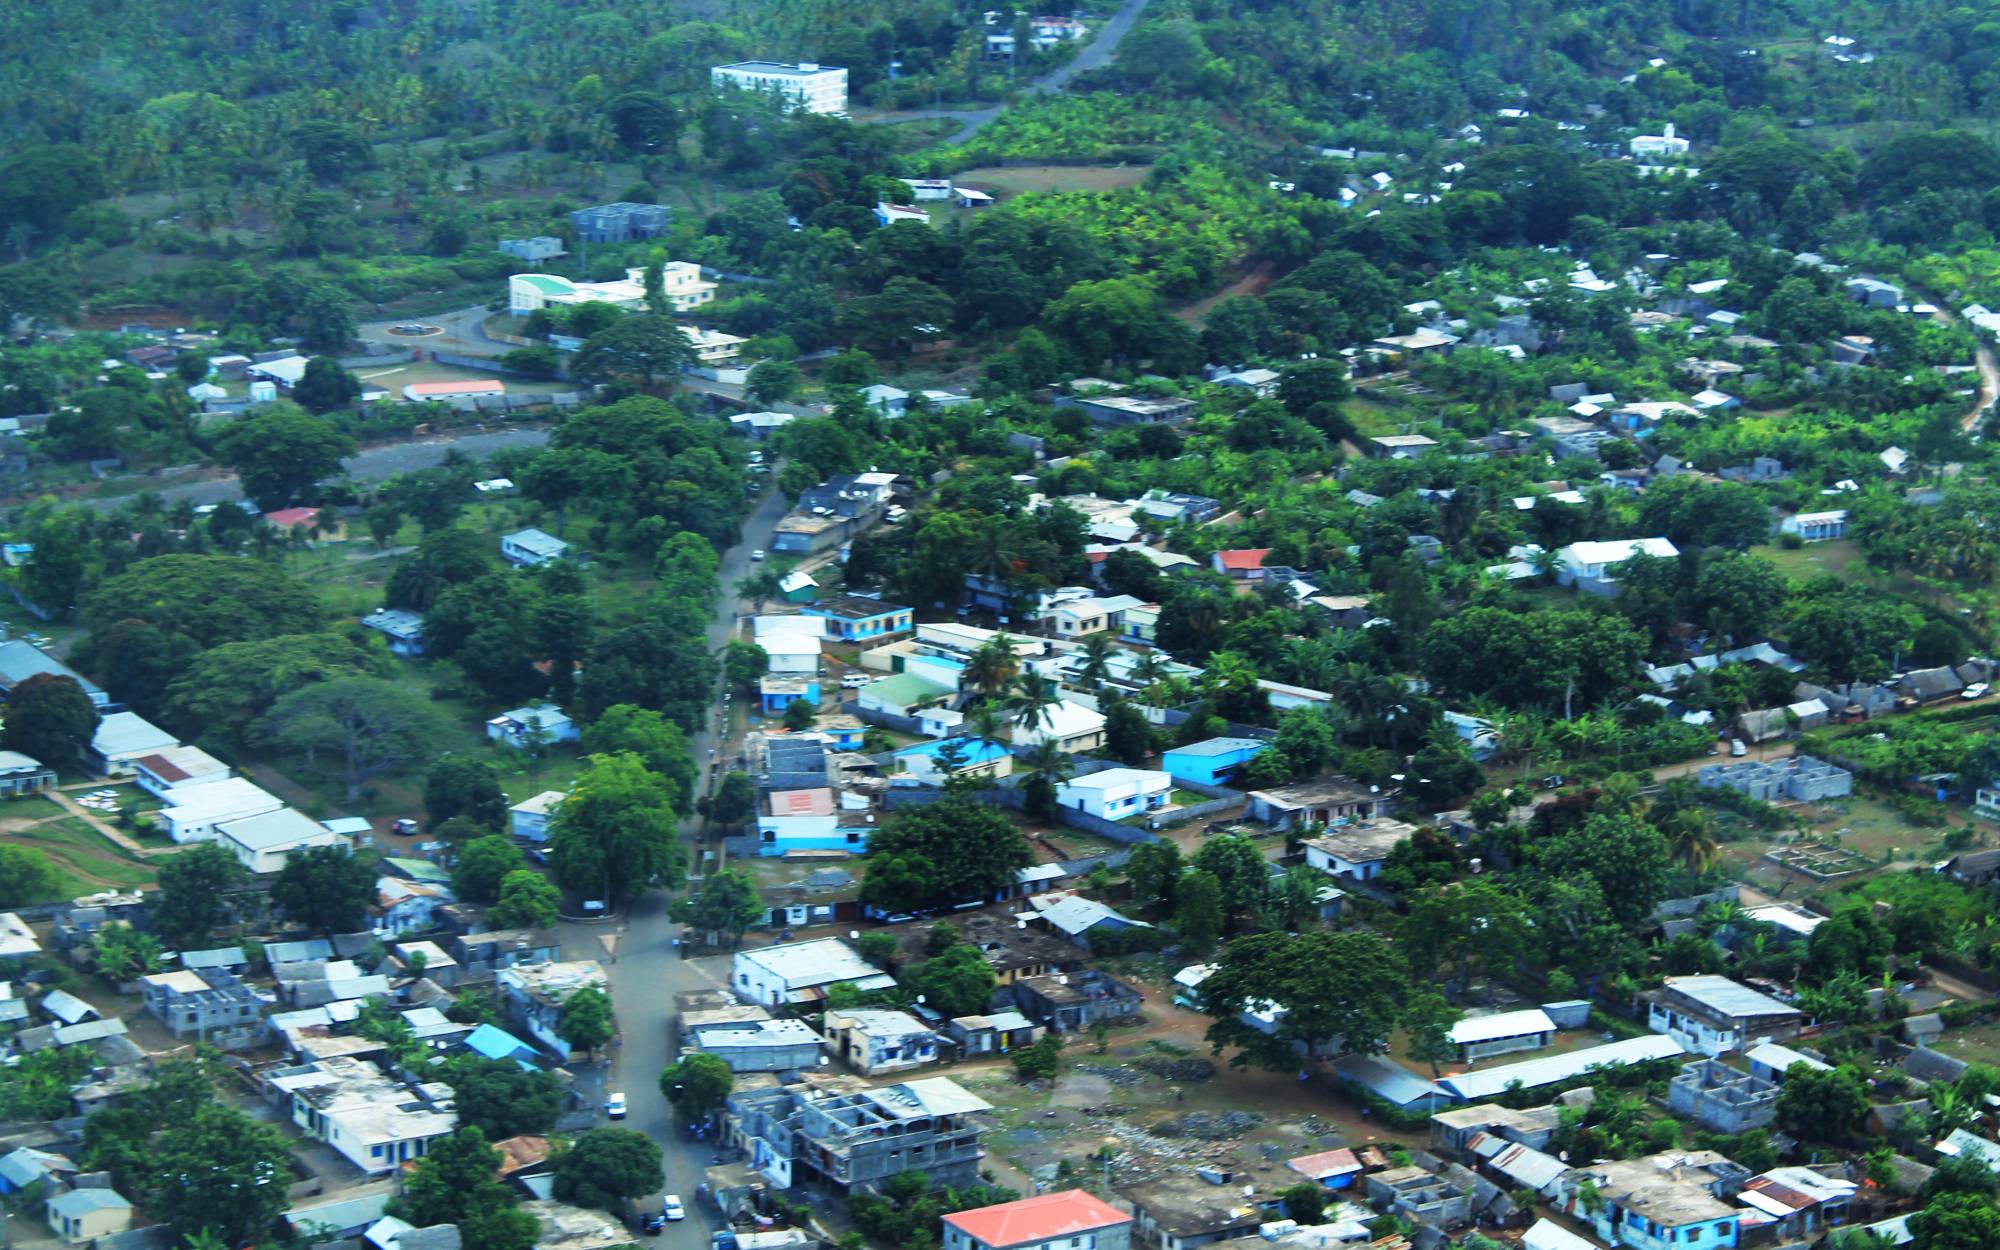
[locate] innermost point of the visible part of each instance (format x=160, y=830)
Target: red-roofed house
x=292, y=518
x=1335, y=1169
x=458, y=394
x=1244, y=564
x=1071, y=1220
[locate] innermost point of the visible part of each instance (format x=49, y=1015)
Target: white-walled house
x=1588, y=565
x=197, y=810
x=1116, y=793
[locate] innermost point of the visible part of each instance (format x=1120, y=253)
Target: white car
x=672, y=1208
x=1977, y=690
x=854, y=681
x=758, y=554
x=614, y=1106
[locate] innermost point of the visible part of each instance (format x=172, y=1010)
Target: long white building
x=809, y=87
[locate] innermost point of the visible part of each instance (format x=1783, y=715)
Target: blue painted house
x=780, y=835
x=1213, y=761
x=850, y=618
x=780, y=690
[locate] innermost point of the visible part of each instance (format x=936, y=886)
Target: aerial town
x=1147, y=625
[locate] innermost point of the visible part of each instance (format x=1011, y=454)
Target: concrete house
x=163, y=772
x=1665, y=1202
x=1074, y=1002
x=1714, y=1015
x=839, y=1134
x=530, y=547
x=525, y=726
x=1589, y=566
x=806, y=87
x=1212, y=761
x=532, y=995
x=81, y=1216
x=1070, y=726
x=198, y=810
x=758, y=1045
x=1400, y=446
x=1116, y=793
x=1329, y=801
x=24, y=774
x=800, y=972
x=623, y=222
x=210, y=1005
x=934, y=763
x=373, y=1120
x=1073, y=1219
x=1721, y=1098
x=1183, y=1210
x=528, y=820
x=1816, y=527
x=1359, y=850
x=120, y=738
x=850, y=618
x=873, y=1042
x=263, y=842
x=1479, y=1037
x=404, y=630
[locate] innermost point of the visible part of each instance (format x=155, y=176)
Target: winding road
x=1983, y=357
x=1095, y=54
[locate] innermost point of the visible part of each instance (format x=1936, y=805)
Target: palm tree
x=991, y=668
x=1096, y=653
x=985, y=724
x=1619, y=794
x=1048, y=767
x=1149, y=668
x=1691, y=839
x=1034, y=701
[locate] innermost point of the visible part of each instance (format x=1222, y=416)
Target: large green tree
x=1336, y=990
x=615, y=835
x=210, y=599
x=224, y=693
x=727, y=903
x=50, y=718
x=605, y=1166
x=949, y=852
x=458, y=785
x=193, y=899
x=325, y=888
x=637, y=350
x=697, y=1085
x=281, y=452
x=370, y=725
x=502, y=1099
x=458, y=1182
x=659, y=743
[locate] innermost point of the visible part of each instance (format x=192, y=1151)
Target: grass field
x=84, y=860
x=395, y=377
x=1841, y=559
x=1002, y=181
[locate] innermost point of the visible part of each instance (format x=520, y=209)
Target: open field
x=394, y=378
x=1002, y=181
x=84, y=860
x=1814, y=559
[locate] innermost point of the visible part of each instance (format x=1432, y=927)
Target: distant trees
x=370, y=725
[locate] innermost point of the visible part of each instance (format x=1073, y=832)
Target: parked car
x=672, y=1208
x=406, y=826
x=757, y=554
x=614, y=1106
x=854, y=681
x=1977, y=690
x=652, y=1224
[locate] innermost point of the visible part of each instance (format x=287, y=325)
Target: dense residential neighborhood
x=1150, y=625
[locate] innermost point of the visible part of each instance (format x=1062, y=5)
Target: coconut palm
x=992, y=668
x=1149, y=668
x=1034, y=701
x=1095, y=654
x=1619, y=794
x=986, y=725
x=1691, y=839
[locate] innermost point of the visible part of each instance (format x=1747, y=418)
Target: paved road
x=1983, y=357
x=373, y=464
x=1094, y=55
x=648, y=973
x=464, y=331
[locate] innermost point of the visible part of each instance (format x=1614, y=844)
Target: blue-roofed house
x=930, y=763
x=28, y=1166
x=491, y=1042
x=850, y=618
x=1212, y=761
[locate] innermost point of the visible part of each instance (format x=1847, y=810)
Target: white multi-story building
x=681, y=280
x=806, y=87
x=378, y=1123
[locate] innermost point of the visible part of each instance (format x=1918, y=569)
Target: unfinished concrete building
x=837, y=1133
x=1800, y=779
x=1441, y=1199
x=1719, y=1097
